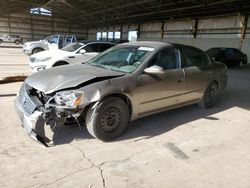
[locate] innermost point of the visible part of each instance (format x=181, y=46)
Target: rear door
x=239, y=56
x=197, y=68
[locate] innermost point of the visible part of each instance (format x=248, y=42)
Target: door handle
x=71, y=56
x=180, y=80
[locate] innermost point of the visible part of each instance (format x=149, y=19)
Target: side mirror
x=52, y=42
x=82, y=51
x=155, y=69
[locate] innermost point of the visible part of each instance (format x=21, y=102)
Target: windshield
x=47, y=38
x=72, y=47
x=126, y=59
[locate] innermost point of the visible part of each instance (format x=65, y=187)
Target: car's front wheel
x=60, y=63
x=36, y=50
x=209, y=98
x=107, y=120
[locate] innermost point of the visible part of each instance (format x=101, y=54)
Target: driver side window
x=166, y=58
x=54, y=39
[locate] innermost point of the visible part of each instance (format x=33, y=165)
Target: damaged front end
x=35, y=110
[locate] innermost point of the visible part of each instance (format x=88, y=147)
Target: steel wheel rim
x=211, y=96
x=111, y=119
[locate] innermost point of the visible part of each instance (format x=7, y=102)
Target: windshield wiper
x=98, y=65
x=118, y=70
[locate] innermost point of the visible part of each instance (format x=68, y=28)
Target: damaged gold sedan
x=126, y=82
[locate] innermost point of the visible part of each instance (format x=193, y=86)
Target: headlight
x=68, y=99
x=42, y=59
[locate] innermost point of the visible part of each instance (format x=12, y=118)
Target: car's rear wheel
x=241, y=64
x=17, y=42
x=108, y=120
x=36, y=50
x=1, y=41
x=209, y=98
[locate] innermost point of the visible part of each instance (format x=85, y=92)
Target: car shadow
x=235, y=95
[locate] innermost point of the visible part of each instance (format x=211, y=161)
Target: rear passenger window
x=237, y=52
x=193, y=57
x=104, y=47
x=92, y=48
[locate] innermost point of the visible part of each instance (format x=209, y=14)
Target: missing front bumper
x=33, y=124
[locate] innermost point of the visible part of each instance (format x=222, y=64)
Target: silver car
x=126, y=82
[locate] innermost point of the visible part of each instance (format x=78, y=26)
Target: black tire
x=241, y=64
x=1, y=41
x=17, y=42
x=210, y=96
x=108, y=120
x=60, y=63
x=36, y=50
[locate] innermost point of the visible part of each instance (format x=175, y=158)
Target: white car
x=75, y=53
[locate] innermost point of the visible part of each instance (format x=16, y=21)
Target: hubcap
x=111, y=119
x=241, y=64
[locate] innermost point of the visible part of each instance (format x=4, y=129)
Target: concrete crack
x=91, y=163
x=65, y=176
x=99, y=167
x=125, y=159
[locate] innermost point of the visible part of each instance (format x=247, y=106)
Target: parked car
x=55, y=41
x=229, y=56
x=126, y=82
x=10, y=39
x=74, y=53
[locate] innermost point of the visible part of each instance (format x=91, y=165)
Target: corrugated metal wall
x=210, y=32
x=32, y=27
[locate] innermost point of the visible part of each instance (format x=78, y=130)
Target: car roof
x=155, y=44
x=94, y=41
x=221, y=48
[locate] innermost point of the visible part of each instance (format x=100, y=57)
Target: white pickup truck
x=52, y=41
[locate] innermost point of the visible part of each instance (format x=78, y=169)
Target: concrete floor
x=186, y=147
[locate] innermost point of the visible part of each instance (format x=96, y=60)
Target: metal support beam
x=243, y=29
x=70, y=26
x=31, y=27
x=121, y=30
x=138, y=31
x=194, y=30
x=162, y=29
x=9, y=30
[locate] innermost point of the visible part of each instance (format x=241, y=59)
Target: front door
x=90, y=52
x=162, y=90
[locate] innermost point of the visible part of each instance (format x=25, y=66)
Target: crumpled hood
x=67, y=76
